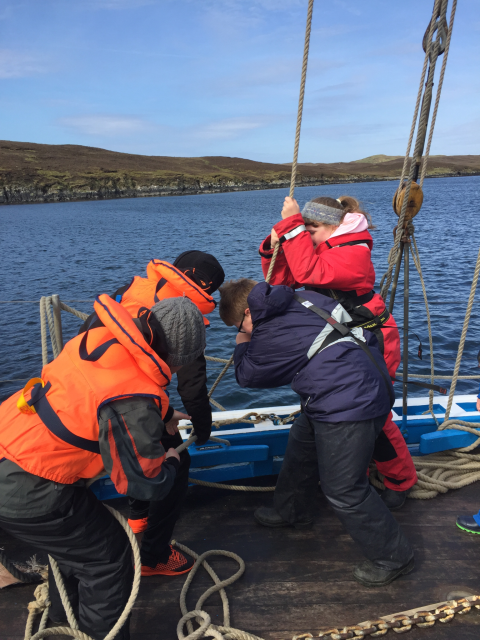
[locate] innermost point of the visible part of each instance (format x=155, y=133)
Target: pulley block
x=415, y=200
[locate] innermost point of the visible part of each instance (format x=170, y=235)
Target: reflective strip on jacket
x=59, y=441
x=164, y=281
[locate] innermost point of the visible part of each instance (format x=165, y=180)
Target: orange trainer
x=176, y=565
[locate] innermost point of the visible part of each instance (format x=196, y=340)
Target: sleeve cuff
x=169, y=414
x=265, y=249
x=290, y=227
x=172, y=462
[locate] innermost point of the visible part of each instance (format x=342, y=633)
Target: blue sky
x=221, y=77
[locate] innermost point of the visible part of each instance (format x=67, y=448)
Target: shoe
x=269, y=517
x=176, y=565
x=394, y=500
x=372, y=576
x=138, y=526
x=469, y=523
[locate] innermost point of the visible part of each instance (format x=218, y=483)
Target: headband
x=322, y=213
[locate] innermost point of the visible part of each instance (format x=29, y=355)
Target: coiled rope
x=440, y=472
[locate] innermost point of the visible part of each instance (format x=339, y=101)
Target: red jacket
x=347, y=268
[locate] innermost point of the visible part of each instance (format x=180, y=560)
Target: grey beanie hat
x=184, y=330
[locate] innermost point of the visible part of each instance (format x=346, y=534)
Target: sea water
x=80, y=249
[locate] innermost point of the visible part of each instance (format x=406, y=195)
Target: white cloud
x=18, y=64
x=106, y=125
x=229, y=128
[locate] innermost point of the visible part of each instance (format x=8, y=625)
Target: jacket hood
x=265, y=301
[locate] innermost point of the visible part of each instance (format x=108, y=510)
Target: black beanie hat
x=203, y=268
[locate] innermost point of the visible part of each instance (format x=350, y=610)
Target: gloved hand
x=202, y=426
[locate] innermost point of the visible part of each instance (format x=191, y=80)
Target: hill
x=52, y=173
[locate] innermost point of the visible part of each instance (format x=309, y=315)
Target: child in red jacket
x=327, y=248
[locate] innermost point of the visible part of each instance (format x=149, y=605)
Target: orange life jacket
x=51, y=430
x=164, y=281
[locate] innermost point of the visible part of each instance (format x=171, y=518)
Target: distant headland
x=32, y=173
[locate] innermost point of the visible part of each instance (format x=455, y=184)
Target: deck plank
x=295, y=581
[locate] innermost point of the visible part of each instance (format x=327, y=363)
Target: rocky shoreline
x=38, y=173
x=31, y=194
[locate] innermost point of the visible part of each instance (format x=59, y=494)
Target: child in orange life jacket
x=194, y=275
x=327, y=248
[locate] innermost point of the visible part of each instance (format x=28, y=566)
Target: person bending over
x=327, y=248
x=100, y=405
x=195, y=275
x=346, y=394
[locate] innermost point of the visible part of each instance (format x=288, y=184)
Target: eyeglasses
x=240, y=330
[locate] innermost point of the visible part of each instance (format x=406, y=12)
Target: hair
x=347, y=204
x=233, y=299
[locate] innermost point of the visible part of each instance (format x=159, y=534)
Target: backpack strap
x=344, y=332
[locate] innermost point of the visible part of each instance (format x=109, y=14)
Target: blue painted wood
x=467, y=406
x=213, y=453
x=445, y=440
x=416, y=429
x=418, y=410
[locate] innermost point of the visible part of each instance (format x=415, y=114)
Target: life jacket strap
x=161, y=283
x=374, y=323
x=50, y=419
x=361, y=243
x=97, y=353
x=348, y=299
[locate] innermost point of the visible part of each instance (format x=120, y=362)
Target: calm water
x=80, y=249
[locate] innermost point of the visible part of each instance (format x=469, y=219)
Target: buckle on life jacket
x=375, y=322
x=22, y=404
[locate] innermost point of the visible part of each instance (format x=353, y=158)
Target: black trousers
x=162, y=514
x=338, y=454
x=94, y=557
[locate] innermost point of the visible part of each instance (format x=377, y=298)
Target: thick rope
x=215, y=384
x=206, y=628
x=432, y=53
x=419, y=97
x=418, y=266
x=463, y=336
x=231, y=487
x=414, y=375
x=46, y=317
x=298, y=129
x=42, y=602
x=79, y=314
x=439, y=91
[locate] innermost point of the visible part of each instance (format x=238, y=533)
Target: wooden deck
x=296, y=581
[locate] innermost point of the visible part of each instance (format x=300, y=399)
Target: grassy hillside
x=39, y=172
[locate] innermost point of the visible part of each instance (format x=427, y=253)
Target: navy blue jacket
x=338, y=384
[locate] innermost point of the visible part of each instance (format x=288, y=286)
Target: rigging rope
x=463, y=336
x=299, y=124
x=432, y=52
x=439, y=91
x=303, y=79
x=440, y=472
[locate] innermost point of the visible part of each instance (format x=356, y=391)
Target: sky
x=221, y=77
